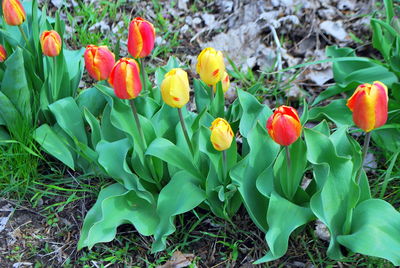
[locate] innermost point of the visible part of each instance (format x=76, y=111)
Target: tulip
x=51, y=43
x=221, y=134
x=13, y=12
x=369, y=105
x=99, y=62
x=225, y=83
x=210, y=66
x=175, y=88
x=284, y=125
x=125, y=79
x=141, y=37
x=3, y=54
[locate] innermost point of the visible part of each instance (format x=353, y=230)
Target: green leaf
x=172, y=154
x=281, y=225
x=54, y=145
x=94, y=127
x=253, y=112
x=180, y=195
x=91, y=99
x=115, y=206
x=201, y=95
x=165, y=121
x=218, y=103
x=375, y=231
x=69, y=117
x=336, y=111
x=337, y=193
x=246, y=173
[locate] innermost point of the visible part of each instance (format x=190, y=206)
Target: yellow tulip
x=175, y=88
x=225, y=83
x=221, y=134
x=210, y=66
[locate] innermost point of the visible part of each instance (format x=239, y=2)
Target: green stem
x=387, y=176
x=364, y=154
x=287, y=158
x=54, y=87
x=224, y=165
x=143, y=73
x=212, y=93
x=23, y=35
x=185, y=133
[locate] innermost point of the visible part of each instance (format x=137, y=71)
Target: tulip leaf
x=91, y=99
x=173, y=155
x=375, y=231
x=115, y=206
x=69, y=117
x=336, y=111
x=337, y=193
x=94, y=127
x=246, y=173
x=165, y=121
x=180, y=195
x=202, y=95
x=112, y=157
x=281, y=226
x=54, y=145
x=218, y=103
x=253, y=112
x=9, y=115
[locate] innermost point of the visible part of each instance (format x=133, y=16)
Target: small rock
x=335, y=29
x=196, y=21
x=321, y=230
x=185, y=28
x=346, y=5
x=208, y=19
x=182, y=4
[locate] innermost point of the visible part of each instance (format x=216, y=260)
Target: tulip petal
x=148, y=36
x=364, y=113
x=381, y=103
x=135, y=41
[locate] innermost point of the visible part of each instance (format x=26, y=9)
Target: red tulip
x=125, y=79
x=369, y=105
x=141, y=37
x=284, y=125
x=51, y=43
x=3, y=54
x=99, y=62
x=13, y=12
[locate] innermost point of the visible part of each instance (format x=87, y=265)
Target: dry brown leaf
x=178, y=260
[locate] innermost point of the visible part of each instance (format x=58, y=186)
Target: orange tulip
x=51, y=43
x=369, y=105
x=141, y=37
x=125, y=79
x=221, y=134
x=99, y=62
x=3, y=54
x=13, y=12
x=284, y=125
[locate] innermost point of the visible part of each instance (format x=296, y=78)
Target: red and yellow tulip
x=221, y=134
x=175, y=88
x=3, y=54
x=225, y=83
x=141, y=37
x=284, y=125
x=13, y=12
x=99, y=61
x=125, y=79
x=51, y=43
x=210, y=66
x=369, y=105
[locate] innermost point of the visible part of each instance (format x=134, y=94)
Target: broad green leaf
x=165, y=121
x=180, y=195
x=91, y=99
x=218, y=103
x=375, y=231
x=253, y=112
x=69, y=117
x=172, y=154
x=336, y=111
x=94, y=124
x=54, y=145
x=202, y=95
x=337, y=193
x=115, y=206
x=9, y=115
x=246, y=173
x=283, y=218
x=112, y=157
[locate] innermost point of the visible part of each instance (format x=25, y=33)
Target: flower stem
x=143, y=73
x=185, y=130
x=23, y=35
x=224, y=165
x=54, y=97
x=387, y=176
x=212, y=93
x=287, y=158
x=364, y=154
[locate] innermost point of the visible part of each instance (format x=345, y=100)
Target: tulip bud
x=284, y=125
x=99, y=61
x=125, y=79
x=210, y=66
x=51, y=43
x=175, y=88
x=141, y=37
x=369, y=105
x=13, y=12
x=221, y=134
x=3, y=54
x=225, y=83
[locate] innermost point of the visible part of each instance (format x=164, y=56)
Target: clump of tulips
x=167, y=160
